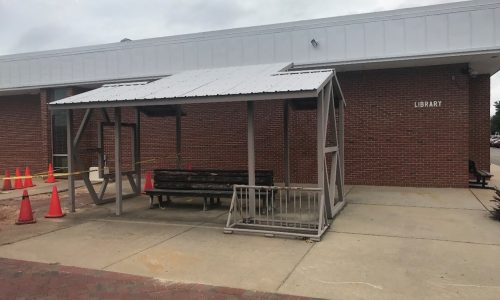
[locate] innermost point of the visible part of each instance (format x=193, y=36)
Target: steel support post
x=105, y=115
x=137, y=156
x=118, y=171
x=341, y=150
x=286, y=144
x=100, y=146
x=71, y=167
x=76, y=155
x=178, y=137
x=83, y=125
x=320, y=156
x=251, y=155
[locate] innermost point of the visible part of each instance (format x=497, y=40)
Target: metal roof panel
x=192, y=85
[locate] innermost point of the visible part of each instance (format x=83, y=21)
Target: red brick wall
x=21, y=136
x=479, y=116
x=388, y=140
x=45, y=128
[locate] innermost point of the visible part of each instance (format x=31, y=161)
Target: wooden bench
x=209, y=184
x=480, y=175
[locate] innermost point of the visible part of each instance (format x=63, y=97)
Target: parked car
x=496, y=143
x=493, y=139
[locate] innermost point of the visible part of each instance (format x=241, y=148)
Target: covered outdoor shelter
x=300, y=90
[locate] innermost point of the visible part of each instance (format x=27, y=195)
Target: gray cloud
x=25, y=25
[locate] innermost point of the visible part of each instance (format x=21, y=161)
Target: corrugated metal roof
x=193, y=85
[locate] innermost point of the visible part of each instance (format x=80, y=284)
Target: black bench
x=209, y=184
x=480, y=175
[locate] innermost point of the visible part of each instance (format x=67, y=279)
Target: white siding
x=483, y=28
x=375, y=39
x=448, y=29
x=355, y=41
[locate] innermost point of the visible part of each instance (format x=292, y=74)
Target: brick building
x=416, y=82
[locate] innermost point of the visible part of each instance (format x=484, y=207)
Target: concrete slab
x=495, y=170
x=14, y=233
x=472, y=226
x=91, y=245
x=183, y=210
x=484, y=196
x=352, y=266
x=387, y=243
x=409, y=196
x=208, y=256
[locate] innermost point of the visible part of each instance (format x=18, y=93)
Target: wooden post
x=251, y=155
x=118, y=173
x=71, y=166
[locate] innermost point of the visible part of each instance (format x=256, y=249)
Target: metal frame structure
x=319, y=87
x=330, y=183
x=279, y=211
x=75, y=161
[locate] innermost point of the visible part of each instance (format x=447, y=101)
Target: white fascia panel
x=395, y=37
x=483, y=28
x=437, y=33
x=460, y=30
x=375, y=39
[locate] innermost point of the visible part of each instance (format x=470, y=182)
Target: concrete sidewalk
x=388, y=243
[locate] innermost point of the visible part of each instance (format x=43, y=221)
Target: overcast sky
x=33, y=25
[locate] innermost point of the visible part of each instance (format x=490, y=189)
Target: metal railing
x=281, y=211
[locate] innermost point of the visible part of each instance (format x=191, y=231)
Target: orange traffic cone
x=55, y=210
x=18, y=182
x=25, y=213
x=28, y=180
x=7, y=185
x=50, y=177
x=148, y=185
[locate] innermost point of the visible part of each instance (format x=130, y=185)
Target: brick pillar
x=479, y=120
x=45, y=130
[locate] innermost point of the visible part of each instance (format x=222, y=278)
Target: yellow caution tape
x=46, y=174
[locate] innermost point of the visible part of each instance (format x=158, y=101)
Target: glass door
x=59, y=137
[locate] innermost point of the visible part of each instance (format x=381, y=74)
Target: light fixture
x=125, y=40
x=314, y=43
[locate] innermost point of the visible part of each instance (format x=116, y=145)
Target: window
x=59, y=137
